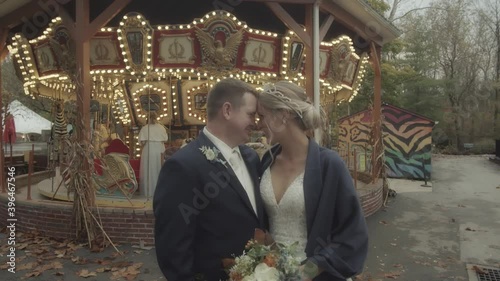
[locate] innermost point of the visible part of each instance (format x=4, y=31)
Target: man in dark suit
x=207, y=202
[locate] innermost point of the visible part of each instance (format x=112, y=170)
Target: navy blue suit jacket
x=336, y=228
x=202, y=213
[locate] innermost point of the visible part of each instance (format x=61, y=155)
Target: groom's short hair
x=228, y=90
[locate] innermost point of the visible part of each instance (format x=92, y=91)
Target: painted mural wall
x=407, y=141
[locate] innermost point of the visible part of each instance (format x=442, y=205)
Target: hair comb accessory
x=270, y=89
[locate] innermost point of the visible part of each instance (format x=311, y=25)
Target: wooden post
x=377, y=108
x=30, y=170
x=355, y=169
x=348, y=154
x=82, y=30
x=3, y=38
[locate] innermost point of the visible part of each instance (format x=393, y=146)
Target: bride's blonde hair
x=288, y=97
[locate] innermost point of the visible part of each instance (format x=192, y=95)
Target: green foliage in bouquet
x=260, y=262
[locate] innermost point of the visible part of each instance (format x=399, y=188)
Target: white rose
x=210, y=154
x=265, y=273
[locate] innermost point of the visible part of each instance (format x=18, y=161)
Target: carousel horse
x=114, y=175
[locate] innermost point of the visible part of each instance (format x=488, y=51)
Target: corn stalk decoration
x=78, y=166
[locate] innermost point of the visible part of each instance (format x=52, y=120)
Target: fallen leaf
x=398, y=265
x=478, y=270
x=470, y=229
x=32, y=274
x=461, y=206
x=27, y=266
x=60, y=253
x=138, y=251
x=78, y=260
x=59, y=273
x=103, y=269
x=383, y=222
x=392, y=275
x=85, y=273
x=393, y=244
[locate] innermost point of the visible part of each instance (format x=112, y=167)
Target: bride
x=307, y=190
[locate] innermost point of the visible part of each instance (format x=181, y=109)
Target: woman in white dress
x=307, y=190
x=152, y=137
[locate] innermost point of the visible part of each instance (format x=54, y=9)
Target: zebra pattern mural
x=407, y=140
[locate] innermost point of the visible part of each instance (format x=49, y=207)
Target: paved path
x=429, y=234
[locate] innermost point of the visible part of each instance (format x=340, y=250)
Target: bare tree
x=490, y=11
x=458, y=59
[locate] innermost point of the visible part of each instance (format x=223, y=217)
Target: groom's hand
x=263, y=237
x=227, y=263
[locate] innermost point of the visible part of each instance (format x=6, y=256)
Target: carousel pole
x=312, y=58
x=3, y=38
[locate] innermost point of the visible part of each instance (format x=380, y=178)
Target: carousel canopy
x=165, y=56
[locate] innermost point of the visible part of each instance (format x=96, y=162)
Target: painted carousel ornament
x=216, y=54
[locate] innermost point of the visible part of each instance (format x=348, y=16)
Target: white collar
x=225, y=149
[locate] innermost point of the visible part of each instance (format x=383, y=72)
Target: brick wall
x=55, y=220
x=371, y=200
x=121, y=225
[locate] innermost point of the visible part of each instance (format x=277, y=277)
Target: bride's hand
x=309, y=270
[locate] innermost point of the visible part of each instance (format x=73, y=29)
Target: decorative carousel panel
x=152, y=97
x=135, y=37
x=45, y=59
x=293, y=55
x=24, y=59
x=104, y=51
x=261, y=53
x=194, y=102
x=344, y=62
x=175, y=48
x=220, y=37
x=64, y=49
x=121, y=107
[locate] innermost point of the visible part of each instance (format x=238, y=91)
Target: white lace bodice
x=287, y=220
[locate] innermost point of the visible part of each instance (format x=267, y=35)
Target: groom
x=207, y=202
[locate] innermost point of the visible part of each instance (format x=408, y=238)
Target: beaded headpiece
x=270, y=89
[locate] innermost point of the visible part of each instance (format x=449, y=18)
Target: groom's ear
x=227, y=108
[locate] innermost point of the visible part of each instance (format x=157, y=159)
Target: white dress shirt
x=233, y=157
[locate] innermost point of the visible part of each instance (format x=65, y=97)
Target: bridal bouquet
x=261, y=262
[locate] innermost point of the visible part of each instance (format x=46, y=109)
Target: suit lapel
x=313, y=183
x=233, y=179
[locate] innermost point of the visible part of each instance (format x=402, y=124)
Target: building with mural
x=407, y=139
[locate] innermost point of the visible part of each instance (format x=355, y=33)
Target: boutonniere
x=212, y=154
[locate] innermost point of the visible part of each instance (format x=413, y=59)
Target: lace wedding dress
x=287, y=218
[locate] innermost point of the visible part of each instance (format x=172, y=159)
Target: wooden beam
x=107, y=15
x=343, y=17
x=285, y=17
x=325, y=27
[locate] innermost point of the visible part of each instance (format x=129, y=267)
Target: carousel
x=107, y=68
x=137, y=68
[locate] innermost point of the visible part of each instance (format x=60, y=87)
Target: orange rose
x=270, y=260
